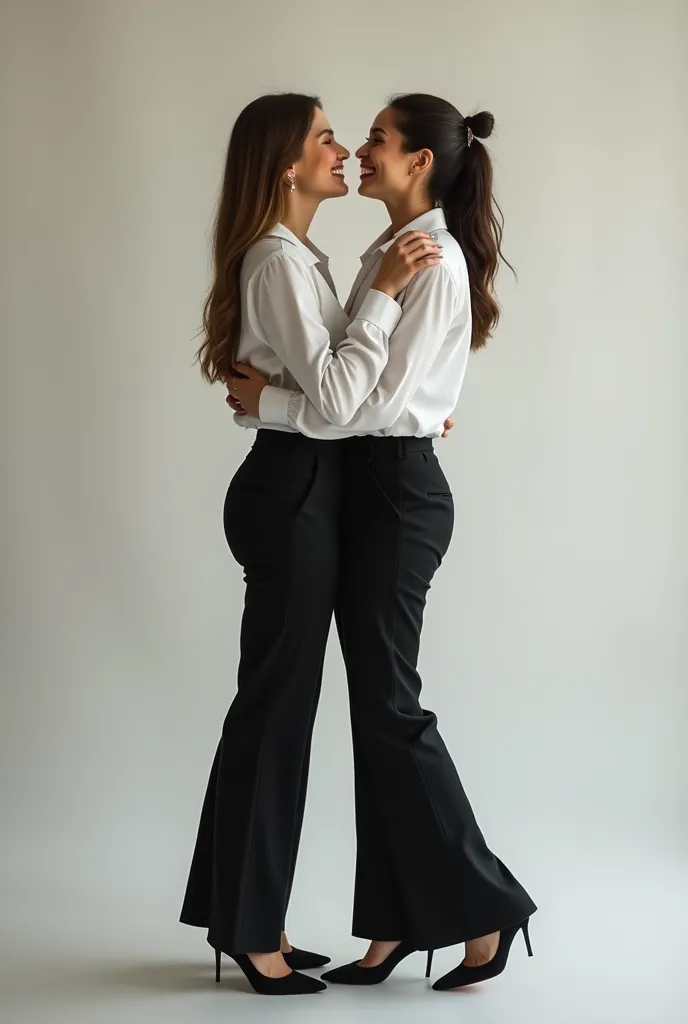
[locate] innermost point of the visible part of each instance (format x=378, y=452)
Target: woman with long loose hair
x=272, y=302
x=425, y=877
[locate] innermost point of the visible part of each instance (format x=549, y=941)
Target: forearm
x=337, y=374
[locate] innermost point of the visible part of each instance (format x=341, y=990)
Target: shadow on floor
x=108, y=978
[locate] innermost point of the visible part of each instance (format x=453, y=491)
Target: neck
x=406, y=209
x=299, y=214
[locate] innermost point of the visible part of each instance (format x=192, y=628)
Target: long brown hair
x=461, y=183
x=268, y=136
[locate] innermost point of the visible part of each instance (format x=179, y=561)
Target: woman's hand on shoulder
x=411, y=253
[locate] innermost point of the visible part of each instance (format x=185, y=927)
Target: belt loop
x=401, y=447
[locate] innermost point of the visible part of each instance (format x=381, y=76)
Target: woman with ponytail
x=425, y=877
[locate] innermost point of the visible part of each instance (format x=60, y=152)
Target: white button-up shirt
x=419, y=384
x=294, y=330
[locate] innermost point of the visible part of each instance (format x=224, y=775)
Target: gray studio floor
x=610, y=948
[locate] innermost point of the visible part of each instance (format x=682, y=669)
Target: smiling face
x=386, y=168
x=319, y=173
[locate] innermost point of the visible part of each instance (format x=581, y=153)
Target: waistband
x=390, y=447
x=387, y=447
x=289, y=440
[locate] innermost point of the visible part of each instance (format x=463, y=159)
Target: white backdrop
x=554, y=652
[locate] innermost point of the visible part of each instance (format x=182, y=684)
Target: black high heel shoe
x=302, y=960
x=462, y=975
x=293, y=984
x=353, y=974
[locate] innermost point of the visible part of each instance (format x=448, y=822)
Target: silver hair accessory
x=292, y=181
x=469, y=134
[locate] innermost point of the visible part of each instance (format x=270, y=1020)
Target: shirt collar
x=310, y=254
x=431, y=220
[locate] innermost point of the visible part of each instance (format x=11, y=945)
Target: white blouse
x=295, y=332
x=424, y=361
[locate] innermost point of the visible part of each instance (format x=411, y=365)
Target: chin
x=339, y=189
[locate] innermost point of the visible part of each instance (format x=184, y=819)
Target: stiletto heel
x=353, y=974
x=293, y=984
x=462, y=975
x=429, y=966
x=526, y=938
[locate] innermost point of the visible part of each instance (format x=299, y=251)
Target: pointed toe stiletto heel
x=462, y=976
x=354, y=974
x=293, y=984
x=303, y=960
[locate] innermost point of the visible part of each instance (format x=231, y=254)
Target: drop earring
x=292, y=181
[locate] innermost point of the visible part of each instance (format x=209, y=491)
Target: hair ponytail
x=476, y=221
x=461, y=182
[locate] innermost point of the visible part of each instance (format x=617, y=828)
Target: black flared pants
x=424, y=872
x=363, y=524
x=281, y=519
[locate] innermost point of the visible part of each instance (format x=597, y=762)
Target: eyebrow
x=326, y=131
x=376, y=129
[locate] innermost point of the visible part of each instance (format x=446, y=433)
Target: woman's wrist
x=386, y=288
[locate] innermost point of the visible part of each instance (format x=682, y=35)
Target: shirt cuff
x=241, y=421
x=381, y=310
x=273, y=405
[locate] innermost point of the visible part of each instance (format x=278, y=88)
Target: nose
x=364, y=150
x=343, y=154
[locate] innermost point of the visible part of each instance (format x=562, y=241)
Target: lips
x=366, y=172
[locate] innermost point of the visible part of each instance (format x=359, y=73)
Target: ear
x=422, y=161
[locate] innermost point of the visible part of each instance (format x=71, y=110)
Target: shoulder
x=454, y=261
x=272, y=260
x=441, y=279
x=266, y=249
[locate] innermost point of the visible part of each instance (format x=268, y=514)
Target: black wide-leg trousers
x=424, y=872
x=281, y=521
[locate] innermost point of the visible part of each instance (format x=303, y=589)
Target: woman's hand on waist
x=245, y=390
